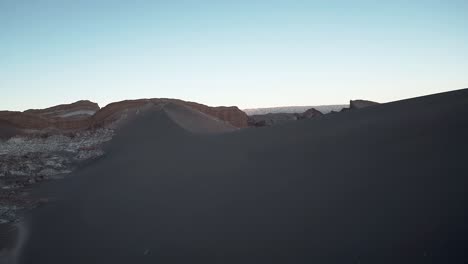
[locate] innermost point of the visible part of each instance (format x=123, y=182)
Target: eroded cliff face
x=272, y=119
x=121, y=110
x=22, y=120
x=231, y=114
x=73, y=116
x=84, y=115
x=77, y=110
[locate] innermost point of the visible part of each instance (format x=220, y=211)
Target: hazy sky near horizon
x=249, y=53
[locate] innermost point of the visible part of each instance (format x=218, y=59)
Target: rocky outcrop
x=325, y=109
x=78, y=110
x=271, y=119
x=37, y=123
x=358, y=104
x=281, y=118
x=22, y=120
x=84, y=115
x=119, y=111
x=310, y=113
x=27, y=160
x=73, y=144
x=116, y=112
x=62, y=117
x=231, y=114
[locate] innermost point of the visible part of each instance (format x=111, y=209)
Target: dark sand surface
x=7, y=130
x=384, y=184
x=8, y=235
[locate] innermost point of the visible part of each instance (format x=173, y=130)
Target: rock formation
x=83, y=115
x=357, y=104
x=271, y=119
x=116, y=111
x=281, y=118
x=78, y=110
x=310, y=113
x=73, y=116
x=325, y=109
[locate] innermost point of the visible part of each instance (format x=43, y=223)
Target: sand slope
x=195, y=121
x=384, y=184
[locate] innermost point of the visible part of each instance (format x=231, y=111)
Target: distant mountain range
x=325, y=109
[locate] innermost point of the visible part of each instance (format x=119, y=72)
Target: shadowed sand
x=7, y=130
x=384, y=184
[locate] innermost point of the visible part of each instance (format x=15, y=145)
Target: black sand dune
x=385, y=184
x=7, y=130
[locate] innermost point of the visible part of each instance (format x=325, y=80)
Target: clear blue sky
x=247, y=53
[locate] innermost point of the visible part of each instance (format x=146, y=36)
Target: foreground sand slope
x=384, y=184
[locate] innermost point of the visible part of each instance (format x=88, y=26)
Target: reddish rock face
x=230, y=114
x=114, y=111
x=27, y=121
x=62, y=117
x=78, y=110
x=86, y=114
x=311, y=113
x=24, y=120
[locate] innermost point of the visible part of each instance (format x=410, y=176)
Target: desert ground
x=382, y=184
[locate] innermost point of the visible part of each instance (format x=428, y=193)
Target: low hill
x=325, y=109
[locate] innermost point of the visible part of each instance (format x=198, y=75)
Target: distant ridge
x=325, y=109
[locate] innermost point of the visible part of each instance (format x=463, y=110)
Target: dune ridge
x=384, y=184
